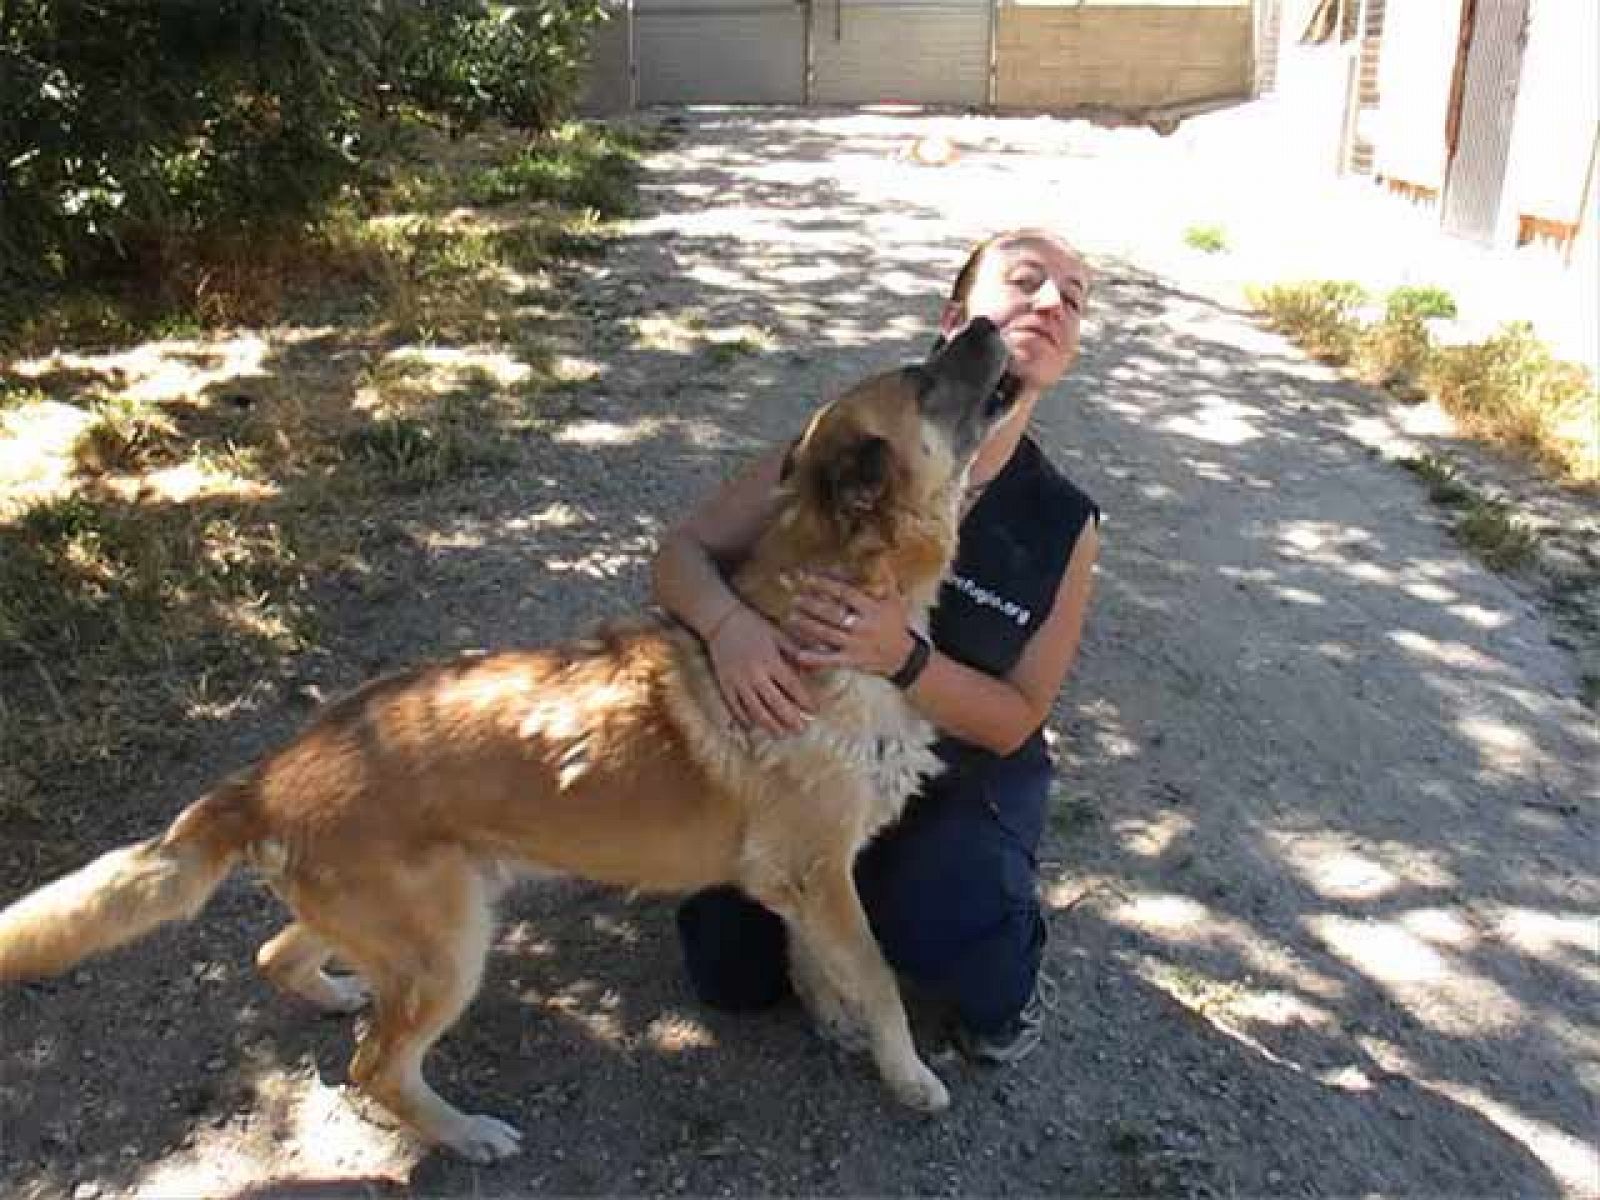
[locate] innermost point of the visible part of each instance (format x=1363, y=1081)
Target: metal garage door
x=706, y=52
x=905, y=51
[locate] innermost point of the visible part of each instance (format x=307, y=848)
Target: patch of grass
x=12, y=396
x=136, y=601
x=1487, y=526
x=80, y=573
x=407, y=453
x=124, y=435
x=1508, y=389
x=576, y=167
x=1320, y=316
x=175, y=284
x=1444, y=482
x=1208, y=239
x=1511, y=390
x=1492, y=531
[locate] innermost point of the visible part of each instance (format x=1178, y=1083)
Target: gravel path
x=1322, y=856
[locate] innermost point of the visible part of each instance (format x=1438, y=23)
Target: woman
x=950, y=889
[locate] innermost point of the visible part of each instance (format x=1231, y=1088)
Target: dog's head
x=879, y=471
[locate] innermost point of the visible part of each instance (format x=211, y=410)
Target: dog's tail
x=127, y=893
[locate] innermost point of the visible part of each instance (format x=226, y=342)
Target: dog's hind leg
x=294, y=961
x=419, y=934
x=826, y=915
x=417, y=995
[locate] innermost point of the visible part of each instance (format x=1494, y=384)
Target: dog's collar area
x=1004, y=395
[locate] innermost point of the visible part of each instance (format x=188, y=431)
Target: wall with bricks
x=1127, y=56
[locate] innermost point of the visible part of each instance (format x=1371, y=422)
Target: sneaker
x=1018, y=1037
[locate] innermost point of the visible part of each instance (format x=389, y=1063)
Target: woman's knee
x=734, y=951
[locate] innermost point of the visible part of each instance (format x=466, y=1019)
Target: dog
x=389, y=825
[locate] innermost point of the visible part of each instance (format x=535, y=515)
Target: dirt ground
x=1325, y=908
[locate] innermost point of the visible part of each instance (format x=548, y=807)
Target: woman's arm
x=689, y=580
x=996, y=713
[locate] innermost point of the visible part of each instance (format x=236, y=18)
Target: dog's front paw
x=483, y=1139
x=921, y=1090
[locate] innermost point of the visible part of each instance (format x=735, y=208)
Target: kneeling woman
x=949, y=889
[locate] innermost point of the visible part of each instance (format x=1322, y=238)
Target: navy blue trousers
x=949, y=890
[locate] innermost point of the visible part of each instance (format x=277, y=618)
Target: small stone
x=216, y=1062
x=1275, y=1178
x=87, y=1190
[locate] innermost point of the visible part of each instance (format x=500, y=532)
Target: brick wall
x=1121, y=56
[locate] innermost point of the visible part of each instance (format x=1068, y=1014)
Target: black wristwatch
x=916, y=662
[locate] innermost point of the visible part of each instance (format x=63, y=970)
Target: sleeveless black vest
x=1014, y=548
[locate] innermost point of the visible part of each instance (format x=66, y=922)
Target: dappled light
x=1319, y=855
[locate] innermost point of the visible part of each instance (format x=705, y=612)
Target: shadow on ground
x=1325, y=916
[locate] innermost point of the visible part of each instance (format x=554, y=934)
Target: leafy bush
x=1511, y=386
x=1393, y=353
x=1419, y=302
x=125, y=121
x=470, y=61
x=128, y=128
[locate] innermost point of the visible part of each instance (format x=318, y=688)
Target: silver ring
x=850, y=618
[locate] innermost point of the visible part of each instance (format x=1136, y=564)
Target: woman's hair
x=969, y=270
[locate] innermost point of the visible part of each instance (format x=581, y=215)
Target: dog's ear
x=856, y=481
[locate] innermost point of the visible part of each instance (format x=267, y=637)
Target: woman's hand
x=750, y=659
x=835, y=625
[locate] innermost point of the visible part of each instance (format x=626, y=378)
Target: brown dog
x=386, y=824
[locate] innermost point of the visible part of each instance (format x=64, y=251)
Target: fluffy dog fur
x=386, y=824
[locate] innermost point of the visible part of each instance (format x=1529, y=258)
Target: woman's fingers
x=771, y=711
x=794, y=688
x=819, y=608
x=811, y=632
x=772, y=697
x=814, y=659
x=736, y=706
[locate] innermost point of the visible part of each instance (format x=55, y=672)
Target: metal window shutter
x=705, y=52
x=900, y=51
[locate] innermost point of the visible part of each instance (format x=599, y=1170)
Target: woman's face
x=1034, y=287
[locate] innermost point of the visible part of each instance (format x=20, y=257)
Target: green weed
x=1208, y=239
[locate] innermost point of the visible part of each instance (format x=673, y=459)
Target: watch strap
x=916, y=662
